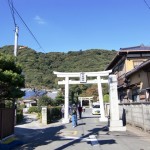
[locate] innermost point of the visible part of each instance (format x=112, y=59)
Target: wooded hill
x=38, y=67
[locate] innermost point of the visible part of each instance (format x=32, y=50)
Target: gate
x=6, y=122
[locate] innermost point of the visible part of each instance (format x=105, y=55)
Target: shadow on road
x=91, y=132
x=28, y=118
x=37, y=137
x=33, y=138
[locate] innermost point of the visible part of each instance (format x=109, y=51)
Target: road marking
x=76, y=138
x=67, y=133
x=92, y=139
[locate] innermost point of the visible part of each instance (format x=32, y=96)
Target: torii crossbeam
x=83, y=80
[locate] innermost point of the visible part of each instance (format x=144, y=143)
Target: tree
x=38, y=67
x=59, y=99
x=44, y=101
x=11, y=79
x=75, y=91
x=106, y=98
x=92, y=91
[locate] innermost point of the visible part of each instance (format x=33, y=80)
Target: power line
x=12, y=8
x=147, y=4
x=29, y=30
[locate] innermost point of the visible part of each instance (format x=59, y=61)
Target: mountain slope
x=38, y=67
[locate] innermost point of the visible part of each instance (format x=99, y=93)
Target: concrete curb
x=10, y=143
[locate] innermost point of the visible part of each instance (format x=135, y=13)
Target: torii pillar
x=66, y=114
x=100, y=94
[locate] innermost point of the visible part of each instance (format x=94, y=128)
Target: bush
x=106, y=98
x=33, y=109
x=39, y=116
x=19, y=115
x=53, y=113
x=44, y=101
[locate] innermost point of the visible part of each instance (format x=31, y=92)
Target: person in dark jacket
x=80, y=111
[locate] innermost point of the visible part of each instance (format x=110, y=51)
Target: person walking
x=80, y=111
x=62, y=111
x=74, y=116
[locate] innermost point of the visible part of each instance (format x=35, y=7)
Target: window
x=135, y=95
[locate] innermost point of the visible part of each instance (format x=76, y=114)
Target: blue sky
x=72, y=25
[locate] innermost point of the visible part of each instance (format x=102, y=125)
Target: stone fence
x=136, y=114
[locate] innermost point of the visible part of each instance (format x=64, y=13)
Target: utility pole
x=16, y=41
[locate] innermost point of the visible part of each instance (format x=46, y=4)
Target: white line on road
x=92, y=139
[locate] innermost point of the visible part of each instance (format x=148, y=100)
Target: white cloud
x=39, y=20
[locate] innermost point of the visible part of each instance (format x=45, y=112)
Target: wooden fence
x=6, y=122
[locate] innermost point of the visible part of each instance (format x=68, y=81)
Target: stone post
x=44, y=115
x=115, y=123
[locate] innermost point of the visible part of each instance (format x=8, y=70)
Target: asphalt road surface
x=90, y=134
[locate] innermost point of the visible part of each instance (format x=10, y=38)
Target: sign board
x=82, y=77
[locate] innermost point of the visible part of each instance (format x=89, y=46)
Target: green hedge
x=53, y=114
x=33, y=109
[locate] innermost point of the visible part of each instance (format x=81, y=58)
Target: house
x=28, y=104
x=138, y=83
x=131, y=65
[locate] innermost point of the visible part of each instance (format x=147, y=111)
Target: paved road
x=90, y=134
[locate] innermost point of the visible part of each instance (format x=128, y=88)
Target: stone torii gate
x=86, y=98
x=115, y=123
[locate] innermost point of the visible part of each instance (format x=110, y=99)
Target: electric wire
x=147, y=4
x=11, y=6
x=13, y=9
x=28, y=29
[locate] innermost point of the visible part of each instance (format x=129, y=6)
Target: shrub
x=44, y=101
x=53, y=113
x=33, y=109
x=19, y=115
x=106, y=98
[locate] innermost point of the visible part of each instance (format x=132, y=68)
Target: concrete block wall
x=136, y=115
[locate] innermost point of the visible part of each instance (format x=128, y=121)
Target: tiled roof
x=125, y=51
x=141, y=47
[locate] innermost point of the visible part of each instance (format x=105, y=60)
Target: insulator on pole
x=16, y=41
